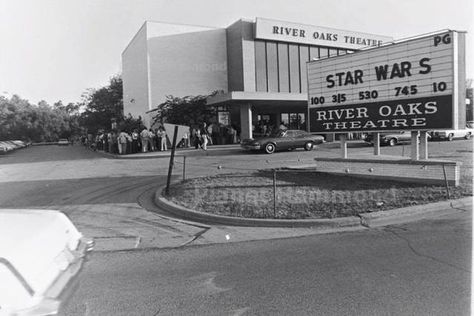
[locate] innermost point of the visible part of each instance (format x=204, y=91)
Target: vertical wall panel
x=314, y=53
x=248, y=56
x=294, y=68
x=304, y=57
x=272, y=67
x=235, y=76
x=283, y=68
x=260, y=66
x=323, y=52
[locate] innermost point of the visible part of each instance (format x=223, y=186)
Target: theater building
x=258, y=67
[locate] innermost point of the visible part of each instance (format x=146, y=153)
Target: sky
x=57, y=49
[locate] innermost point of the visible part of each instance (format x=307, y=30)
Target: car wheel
x=450, y=137
x=392, y=142
x=270, y=148
x=468, y=136
x=308, y=146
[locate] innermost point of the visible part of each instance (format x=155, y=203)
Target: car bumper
x=251, y=147
x=382, y=141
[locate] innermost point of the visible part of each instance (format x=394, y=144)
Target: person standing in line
x=122, y=143
x=186, y=140
x=233, y=135
x=129, y=143
x=109, y=141
x=197, y=142
x=158, y=138
x=204, y=136
x=151, y=139
x=163, y=143
x=105, y=139
x=134, y=141
x=210, y=129
x=144, y=137
x=114, y=142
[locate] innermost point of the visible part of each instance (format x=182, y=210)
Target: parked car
x=7, y=146
x=41, y=255
x=19, y=143
x=451, y=134
x=63, y=142
x=283, y=140
x=390, y=139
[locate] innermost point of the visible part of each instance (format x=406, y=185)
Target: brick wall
x=430, y=172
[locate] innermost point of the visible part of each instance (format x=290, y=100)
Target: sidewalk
x=215, y=148
x=179, y=152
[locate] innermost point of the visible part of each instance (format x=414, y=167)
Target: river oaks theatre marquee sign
x=315, y=35
x=415, y=84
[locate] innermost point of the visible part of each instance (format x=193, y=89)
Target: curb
x=178, y=153
x=414, y=213
x=376, y=219
x=193, y=215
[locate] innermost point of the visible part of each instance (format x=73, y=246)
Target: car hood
x=36, y=249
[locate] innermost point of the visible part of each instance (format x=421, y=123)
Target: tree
x=21, y=120
x=102, y=105
x=188, y=110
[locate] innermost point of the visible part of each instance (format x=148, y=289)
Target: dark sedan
x=391, y=139
x=283, y=140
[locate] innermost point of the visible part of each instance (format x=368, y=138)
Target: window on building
x=294, y=120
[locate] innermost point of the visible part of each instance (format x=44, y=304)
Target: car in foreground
x=283, y=140
x=390, y=139
x=452, y=134
x=41, y=255
x=63, y=142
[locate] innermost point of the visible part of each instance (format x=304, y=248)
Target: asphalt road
x=422, y=268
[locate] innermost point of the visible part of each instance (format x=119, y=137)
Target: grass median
x=301, y=195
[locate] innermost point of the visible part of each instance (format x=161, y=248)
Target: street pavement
x=148, y=263
x=420, y=268
x=111, y=200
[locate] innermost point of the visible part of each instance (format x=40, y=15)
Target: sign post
x=415, y=148
x=171, y=164
x=376, y=138
x=343, y=140
x=423, y=145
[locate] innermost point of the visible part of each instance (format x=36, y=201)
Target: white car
x=63, y=142
x=451, y=134
x=41, y=252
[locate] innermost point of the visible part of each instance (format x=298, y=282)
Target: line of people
x=124, y=142
x=152, y=140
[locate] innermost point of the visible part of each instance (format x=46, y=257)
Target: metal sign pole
x=170, y=169
x=343, y=141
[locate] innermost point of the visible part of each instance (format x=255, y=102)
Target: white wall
x=187, y=64
x=135, y=76
x=172, y=59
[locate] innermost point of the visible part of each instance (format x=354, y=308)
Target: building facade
x=258, y=67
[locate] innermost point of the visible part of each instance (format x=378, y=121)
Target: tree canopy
x=21, y=120
x=188, y=110
x=104, y=105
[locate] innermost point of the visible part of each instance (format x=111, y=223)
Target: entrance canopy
x=259, y=98
x=263, y=103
